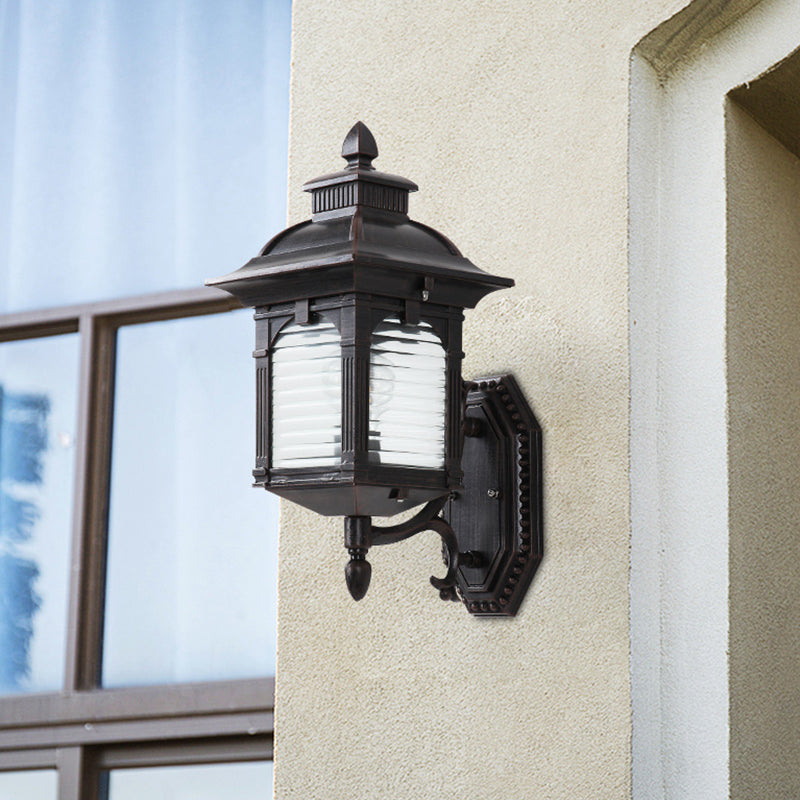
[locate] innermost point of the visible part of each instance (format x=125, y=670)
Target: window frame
x=85, y=729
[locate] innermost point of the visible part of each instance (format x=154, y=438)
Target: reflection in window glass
x=246, y=781
x=142, y=141
x=39, y=785
x=38, y=414
x=191, y=578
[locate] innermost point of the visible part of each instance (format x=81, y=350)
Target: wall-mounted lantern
x=361, y=408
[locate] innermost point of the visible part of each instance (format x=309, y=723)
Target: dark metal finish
x=499, y=512
x=427, y=519
x=357, y=540
x=357, y=487
x=491, y=532
x=358, y=261
x=392, y=534
x=360, y=239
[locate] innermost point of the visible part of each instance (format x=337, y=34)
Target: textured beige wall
x=512, y=118
x=764, y=424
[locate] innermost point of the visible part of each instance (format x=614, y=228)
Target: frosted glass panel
x=407, y=396
x=191, y=579
x=307, y=396
x=248, y=781
x=38, y=415
x=29, y=785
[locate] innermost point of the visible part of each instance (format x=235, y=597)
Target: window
x=142, y=148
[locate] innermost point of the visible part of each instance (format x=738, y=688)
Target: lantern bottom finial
x=357, y=573
x=357, y=540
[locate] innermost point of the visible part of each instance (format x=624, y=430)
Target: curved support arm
x=428, y=519
x=496, y=516
x=446, y=585
x=405, y=530
x=360, y=534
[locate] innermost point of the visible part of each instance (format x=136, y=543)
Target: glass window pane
x=29, y=785
x=142, y=141
x=191, y=578
x=246, y=781
x=38, y=414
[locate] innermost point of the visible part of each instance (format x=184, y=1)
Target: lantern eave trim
x=338, y=261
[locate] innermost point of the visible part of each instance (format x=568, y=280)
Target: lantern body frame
x=357, y=487
x=356, y=262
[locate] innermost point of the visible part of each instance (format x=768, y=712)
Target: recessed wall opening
x=762, y=129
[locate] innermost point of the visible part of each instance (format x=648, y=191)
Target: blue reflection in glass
x=37, y=418
x=23, y=441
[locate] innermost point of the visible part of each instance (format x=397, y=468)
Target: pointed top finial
x=359, y=147
x=359, y=184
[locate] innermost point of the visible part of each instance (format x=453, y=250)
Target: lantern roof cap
x=359, y=184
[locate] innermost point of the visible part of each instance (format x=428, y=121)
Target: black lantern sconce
x=361, y=408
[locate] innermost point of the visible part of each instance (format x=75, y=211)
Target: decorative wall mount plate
x=497, y=517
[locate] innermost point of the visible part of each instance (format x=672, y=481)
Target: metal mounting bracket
x=492, y=528
x=498, y=514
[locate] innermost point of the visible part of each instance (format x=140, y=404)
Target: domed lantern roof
x=360, y=238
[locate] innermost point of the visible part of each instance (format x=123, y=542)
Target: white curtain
x=143, y=146
x=142, y=143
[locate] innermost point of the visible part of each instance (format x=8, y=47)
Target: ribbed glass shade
x=407, y=396
x=307, y=396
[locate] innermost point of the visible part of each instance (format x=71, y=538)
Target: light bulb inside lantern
x=407, y=383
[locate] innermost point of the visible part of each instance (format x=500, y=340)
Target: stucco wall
x=764, y=419
x=512, y=118
x=709, y=667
